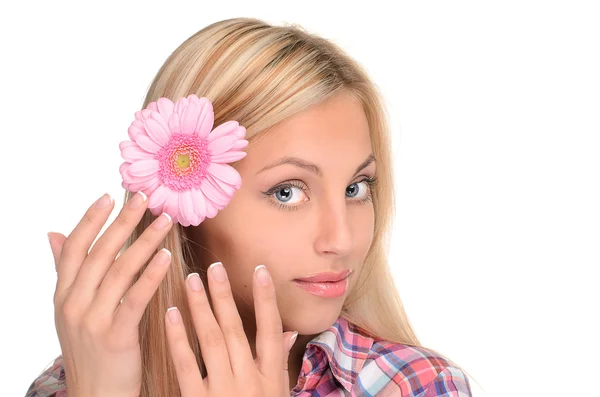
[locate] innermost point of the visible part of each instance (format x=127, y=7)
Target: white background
x=495, y=115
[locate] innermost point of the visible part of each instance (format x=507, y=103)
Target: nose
x=334, y=234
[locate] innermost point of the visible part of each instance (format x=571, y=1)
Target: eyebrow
x=310, y=166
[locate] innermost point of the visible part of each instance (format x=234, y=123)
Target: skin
x=329, y=227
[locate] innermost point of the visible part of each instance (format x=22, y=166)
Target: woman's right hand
x=98, y=334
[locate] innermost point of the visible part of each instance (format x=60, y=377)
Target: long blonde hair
x=259, y=75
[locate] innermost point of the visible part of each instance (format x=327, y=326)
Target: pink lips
x=326, y=285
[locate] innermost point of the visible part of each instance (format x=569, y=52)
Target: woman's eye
x=290, y=194
x=354, y=191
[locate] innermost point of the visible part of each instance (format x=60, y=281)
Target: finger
x=74, y=250
x=288, y=341
x=184, y=359
x=103, y=253
x=120, y=275
x=56, y=241
x=228, y=317
x=130, y=311
x=269, y=330
x=210, y=336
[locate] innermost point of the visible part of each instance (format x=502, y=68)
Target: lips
x=326, y=277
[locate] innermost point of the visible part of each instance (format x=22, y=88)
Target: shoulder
x=394, y=370
x=51, y=381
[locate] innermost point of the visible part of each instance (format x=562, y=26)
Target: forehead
x=333, y=132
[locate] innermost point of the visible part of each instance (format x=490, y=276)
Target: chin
x=309, y=320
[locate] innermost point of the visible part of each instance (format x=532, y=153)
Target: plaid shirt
x=343, y=361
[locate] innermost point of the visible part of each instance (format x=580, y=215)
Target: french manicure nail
x=174, y=316
x=262, y=274
x=162, y=221
x=218, y=271
x=104, y=201
x=137, y=200
x=194, y=282
x=293, y=340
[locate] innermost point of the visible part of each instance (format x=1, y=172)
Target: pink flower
x=179, y=163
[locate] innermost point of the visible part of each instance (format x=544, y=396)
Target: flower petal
x=130, y=151
x=213, y=193
x=227, y=128
x=221, y=145
x=186, y=208
x=147, y=144
x=226, y=173
x=158, y=129
x=171, y=206
x=228, y=157
x=125, y=174
x=174, y=124
x=158, y=197
x=211, y=209
x=143, y=168
x=199, y=203
x=189, y=118
x=224, y=187
x=136, y=128
x=206, y=119
x=240, y=144
x=144, y=184
x=165, y=107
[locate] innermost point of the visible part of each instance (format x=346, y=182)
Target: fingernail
x=174, y=316
x=292, y=340
x=262, y=274
x=137, y=200
x=218, y=271
x=194, y=281
x=104, y=201
x=162, y=221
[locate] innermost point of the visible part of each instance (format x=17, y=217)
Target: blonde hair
x=259, y=74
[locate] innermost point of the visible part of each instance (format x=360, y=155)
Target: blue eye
x=288, y=194
x=353, y=190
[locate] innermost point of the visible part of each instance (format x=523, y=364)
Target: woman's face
x=319, y=223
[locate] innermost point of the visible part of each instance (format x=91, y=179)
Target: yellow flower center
x=183, y=161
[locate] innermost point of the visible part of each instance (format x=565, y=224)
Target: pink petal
x=144, y=184
x=206, y=119
x=174, y=124
x=221, y=145
x=125, y=174
x=189, y=119
x=226, y=188
x=225, y=173
x=228, y=157
x=147, y=144
x=132, y=152
x=186, y=208
x=136, y=128
x=152, y=106
x=158, y=197
x=213, y=194
x=227, y=128
x=165, y=107
x=240, y=144
x=211, y=209
x=199, y=203
x=144, y=168
x=180, y=106
x=158, y=129
x=171, y=206
x=152, y=188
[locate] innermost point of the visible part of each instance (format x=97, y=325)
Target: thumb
x=56, y=241
x=288, y=341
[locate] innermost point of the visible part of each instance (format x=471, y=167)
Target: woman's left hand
x=226, y=353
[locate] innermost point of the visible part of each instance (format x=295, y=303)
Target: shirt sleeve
x=451, y=382
x=50, y=383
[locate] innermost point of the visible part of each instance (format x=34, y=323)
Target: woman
x=316, y=197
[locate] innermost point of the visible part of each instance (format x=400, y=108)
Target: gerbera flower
x=179, y=163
